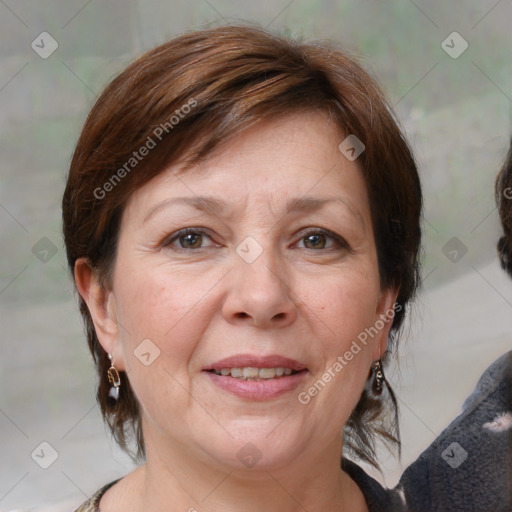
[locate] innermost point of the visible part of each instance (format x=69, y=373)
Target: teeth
x=236, y=372
x=267, y=373
x=250, y=373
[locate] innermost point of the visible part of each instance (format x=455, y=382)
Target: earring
x=114, y=378
x=378, y=377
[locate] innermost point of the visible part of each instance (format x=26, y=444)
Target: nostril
x=279, y=316
x=242, y=314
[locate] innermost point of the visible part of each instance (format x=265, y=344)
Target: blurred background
x=446, y=68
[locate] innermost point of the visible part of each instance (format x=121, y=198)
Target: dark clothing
x=468, y=468
x=377, y=498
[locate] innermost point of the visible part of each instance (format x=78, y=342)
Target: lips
x=252, y=373
x=253, y=361
x=256, y=377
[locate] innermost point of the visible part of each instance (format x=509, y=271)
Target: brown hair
x=504, y=203
x=186, y=98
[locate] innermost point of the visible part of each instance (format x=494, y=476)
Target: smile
x=254, y=374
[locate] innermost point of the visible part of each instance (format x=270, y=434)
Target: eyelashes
x=320, y=239
x=194, y=239
x=189, y=236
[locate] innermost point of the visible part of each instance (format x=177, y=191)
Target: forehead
x=295, y=155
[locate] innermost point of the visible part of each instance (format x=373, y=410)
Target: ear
x=384, y=315
x=102, y=307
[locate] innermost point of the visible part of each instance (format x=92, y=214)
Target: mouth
x=255, y=377
x=251, y=373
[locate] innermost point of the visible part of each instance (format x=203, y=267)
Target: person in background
x=469, y=466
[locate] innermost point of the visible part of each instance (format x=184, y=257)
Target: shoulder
x=469, y=465
x=494, y=388
x=378, y=498
x=91, y=505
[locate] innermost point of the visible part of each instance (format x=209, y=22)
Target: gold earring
x=378, y=377
x=114, y=378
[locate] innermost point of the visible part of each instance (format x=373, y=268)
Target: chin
x=259, y=446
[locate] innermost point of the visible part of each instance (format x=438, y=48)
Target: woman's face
x=260, y=261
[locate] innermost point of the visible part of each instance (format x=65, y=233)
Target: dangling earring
x=114, y=379
x=378, y=377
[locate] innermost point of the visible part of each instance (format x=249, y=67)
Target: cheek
x=345, y=307
x=342, y=312
x=167, y=308
x=171, y=312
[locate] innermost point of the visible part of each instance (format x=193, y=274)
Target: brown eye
x=322, y=240
x=315, y=241
x=191, y=241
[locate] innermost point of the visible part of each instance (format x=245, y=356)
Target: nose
x=259, y=294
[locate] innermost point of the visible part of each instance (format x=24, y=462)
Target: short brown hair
x=231, y=78
x=504, y=203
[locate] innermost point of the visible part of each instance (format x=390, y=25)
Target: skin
x=198, y=301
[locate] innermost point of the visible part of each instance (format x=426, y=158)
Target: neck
x=176, y=477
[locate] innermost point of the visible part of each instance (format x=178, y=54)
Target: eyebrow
x=311, y=204
x=199, y=203
x=209, y=204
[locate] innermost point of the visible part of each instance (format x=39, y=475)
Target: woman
x=241, y=219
